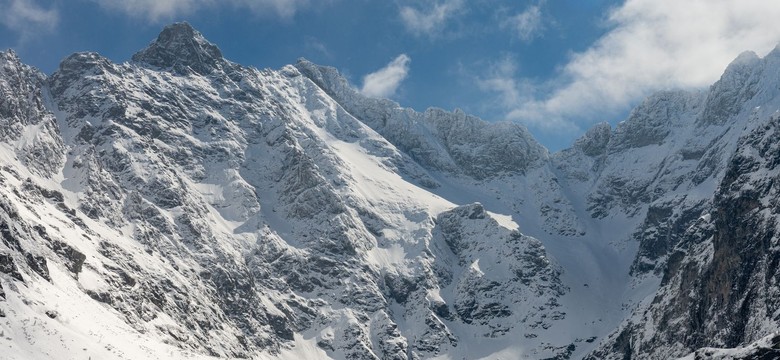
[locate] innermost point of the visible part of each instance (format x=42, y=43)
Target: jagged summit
x=182, y=49
x=449, y=141
x=8, y=54
x=594, y=142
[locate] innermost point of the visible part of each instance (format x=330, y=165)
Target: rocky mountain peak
x=738, y=84
x=12, y=66
x=595, y=140
x=17, y=80
x=742, y=67
x=182, y=49
x=8, y=55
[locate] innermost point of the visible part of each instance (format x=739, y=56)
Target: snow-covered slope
x=615, y=208
x=180, y=205
x=207, y=208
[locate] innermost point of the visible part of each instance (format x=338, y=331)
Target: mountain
x=180, y=205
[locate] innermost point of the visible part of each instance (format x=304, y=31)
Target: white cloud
x=501, y=79
x=385, y=81
x=157, y=10
x=653, y=45
x=284, y=8
x=526, y=25
x=153, y=10
x=314, y=45
x=26, y=18
x=431, y=21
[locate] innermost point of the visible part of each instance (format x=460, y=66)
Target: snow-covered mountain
x=180, y=205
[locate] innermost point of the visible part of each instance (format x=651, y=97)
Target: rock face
x=765, y=348
x=25, y=123
x=183, y=50
x=180, y=205
x=718, y=256
x=454, y=143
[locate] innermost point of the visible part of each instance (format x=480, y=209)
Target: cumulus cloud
x=27, y=18
x=652, y=45
x=385, y=81
x=526, y=25
x=156, y=10
x=432, y=20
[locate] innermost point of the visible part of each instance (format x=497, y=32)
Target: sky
x=556, y=66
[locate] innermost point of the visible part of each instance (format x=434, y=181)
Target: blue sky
x=557, y=66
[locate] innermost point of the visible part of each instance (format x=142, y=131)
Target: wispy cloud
x=27, y=18
x=385, y=81
x=526, y=25
x=153, y=10
x=653, y=45
x=501, y=79
x=284, y=8
x=158, y=10
x=314, y=45
x=432, y=19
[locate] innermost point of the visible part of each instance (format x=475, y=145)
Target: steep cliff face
x=719, y=275
x=180, y=205
x=28, y=129
x=204, y=209
x=719, y=286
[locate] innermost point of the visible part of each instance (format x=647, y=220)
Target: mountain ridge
x=207, y=209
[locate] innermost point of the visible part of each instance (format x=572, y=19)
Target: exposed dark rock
x=182, y=49
x=39, y=265
x=7, y=266
x=75, y=259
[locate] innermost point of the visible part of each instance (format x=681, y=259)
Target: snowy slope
x=613, y=208
x=180, y=205
x=219, y=210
